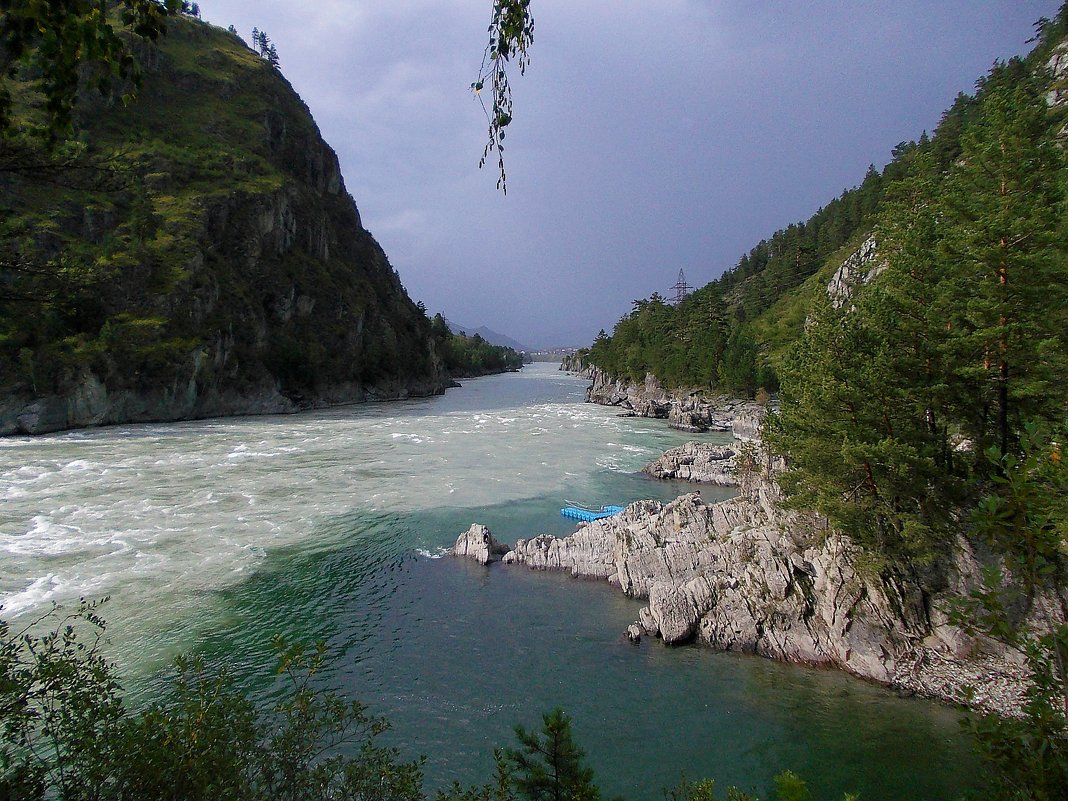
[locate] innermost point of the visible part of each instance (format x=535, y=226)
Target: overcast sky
x=649, y=136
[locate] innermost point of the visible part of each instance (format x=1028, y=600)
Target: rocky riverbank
x=686, y=409
x=745, y=575
x=91, y=403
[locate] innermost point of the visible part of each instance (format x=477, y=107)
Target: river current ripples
x=162, y=516
x=212, y=536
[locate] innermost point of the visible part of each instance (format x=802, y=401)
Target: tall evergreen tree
x=909, y=306
x=858, y=450
x=1004, y=241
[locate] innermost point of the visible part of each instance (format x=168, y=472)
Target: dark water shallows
x=215, y=535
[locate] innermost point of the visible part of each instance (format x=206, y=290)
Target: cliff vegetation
x=191, y=253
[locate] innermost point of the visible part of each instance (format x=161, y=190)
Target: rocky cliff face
x=647, y=399
x=576, y=363
x=858, y=270
x=229, y=272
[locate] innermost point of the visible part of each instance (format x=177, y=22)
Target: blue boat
x=576, y=511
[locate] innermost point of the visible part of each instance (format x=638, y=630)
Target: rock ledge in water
x=479, y=544
x=700, y=462
x=746, y=575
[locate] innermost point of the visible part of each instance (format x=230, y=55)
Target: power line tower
x=681, y=289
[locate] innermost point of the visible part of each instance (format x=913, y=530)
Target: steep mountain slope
x=204, y=259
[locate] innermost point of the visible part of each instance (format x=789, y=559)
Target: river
x=211, y=536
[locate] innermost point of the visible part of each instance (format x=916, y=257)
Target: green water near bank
x=455, y=654
x=214, y=536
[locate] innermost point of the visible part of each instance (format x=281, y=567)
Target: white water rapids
x=161, y=517
x=214, y=536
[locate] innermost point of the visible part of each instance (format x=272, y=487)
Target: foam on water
x=215, y=535
x=164, y=517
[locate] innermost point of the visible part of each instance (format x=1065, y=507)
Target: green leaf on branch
x=511, y=33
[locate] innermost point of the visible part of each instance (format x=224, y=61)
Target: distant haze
x=488, y=334
x=648, y=136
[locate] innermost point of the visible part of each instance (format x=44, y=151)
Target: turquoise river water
x=212, y=536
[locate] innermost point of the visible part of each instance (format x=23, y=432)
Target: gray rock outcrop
x=747, y=422
x=744, y=575
x=576, y=363
x=479, y=544
x=647, y=399
x=686, y=410
x=858, y=269
x=692, y=411
x=699, y=462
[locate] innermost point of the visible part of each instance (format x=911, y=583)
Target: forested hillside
x=191, y=253
x=733, y=333
x=924, y=390
x=466, y=356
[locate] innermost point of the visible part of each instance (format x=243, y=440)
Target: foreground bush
x=65, y=733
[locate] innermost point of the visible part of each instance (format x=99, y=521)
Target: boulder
x=648, y=622
x=699, y=462
x=479, y=544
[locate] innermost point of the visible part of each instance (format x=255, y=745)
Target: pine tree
x=550, y=766
x=909, y=304
x=857, y=451
x=1004, y=242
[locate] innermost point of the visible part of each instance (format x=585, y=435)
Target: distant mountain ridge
x=487, y=334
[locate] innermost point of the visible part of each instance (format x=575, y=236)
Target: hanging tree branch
x=511, y=32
